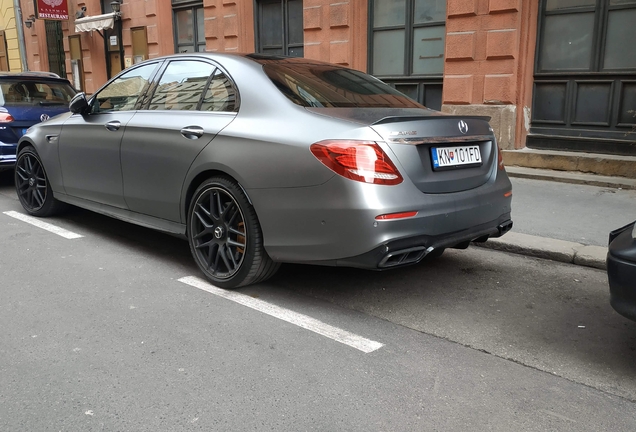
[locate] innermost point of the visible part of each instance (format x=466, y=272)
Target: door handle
x=113, y=125
x=192, y=132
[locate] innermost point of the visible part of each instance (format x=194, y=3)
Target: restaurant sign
x=51, y=9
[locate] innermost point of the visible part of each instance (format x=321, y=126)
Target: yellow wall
x=7, y=23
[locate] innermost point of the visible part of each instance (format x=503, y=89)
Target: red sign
x=51, y=9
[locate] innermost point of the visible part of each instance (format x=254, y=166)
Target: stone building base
x=503, y=120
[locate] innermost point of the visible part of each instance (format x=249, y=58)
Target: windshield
x=326, y=86
x=25, y=92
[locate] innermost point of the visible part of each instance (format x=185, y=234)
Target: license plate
x=462, y=156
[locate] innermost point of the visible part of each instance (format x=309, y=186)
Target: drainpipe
x=21, y=40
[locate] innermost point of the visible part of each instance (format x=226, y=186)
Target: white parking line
x=339, y=335
x=44, y=225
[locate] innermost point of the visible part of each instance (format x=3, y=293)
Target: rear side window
x=23, y=92
x=220, y=94
x=322, y=85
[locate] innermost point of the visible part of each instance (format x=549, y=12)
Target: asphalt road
x=100, y=333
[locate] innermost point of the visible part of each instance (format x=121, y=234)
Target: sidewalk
x=563, y=221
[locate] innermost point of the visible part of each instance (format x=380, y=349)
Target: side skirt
x=143, y=220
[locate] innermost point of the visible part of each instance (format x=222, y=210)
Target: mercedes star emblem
x=463, y=127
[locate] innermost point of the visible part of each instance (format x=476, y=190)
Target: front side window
x=123, y=93
x=328, y=86
x=181, y=86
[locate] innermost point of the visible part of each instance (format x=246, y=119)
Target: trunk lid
x=423, y=141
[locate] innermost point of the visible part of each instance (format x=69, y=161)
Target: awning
x=96, y=22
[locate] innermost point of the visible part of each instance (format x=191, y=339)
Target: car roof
x=33, y=75
x=247, y=57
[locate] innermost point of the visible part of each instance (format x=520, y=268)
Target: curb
x=547, y=248
x=571, y=177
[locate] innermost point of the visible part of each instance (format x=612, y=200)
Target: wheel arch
x=198, y=180
x=24, y=143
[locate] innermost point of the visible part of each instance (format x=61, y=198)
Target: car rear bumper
x=7, y=156
x=407, y=251
x=621, y=272
x=336, y=223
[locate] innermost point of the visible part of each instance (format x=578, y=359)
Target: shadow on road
x=6, y=178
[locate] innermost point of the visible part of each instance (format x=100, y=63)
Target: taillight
x=501, y=162
x=5, y=117
x=362, y=161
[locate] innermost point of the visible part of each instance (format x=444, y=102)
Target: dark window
x=4, y=59
x=407, y=46
x=587, y=35
x=55, y=47
x=189, y=29
x=123, y=93
x=585, y=71
x=280, y=27
x=325, y=86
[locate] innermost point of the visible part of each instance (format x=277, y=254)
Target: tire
x=32, y=185
x=225, y=236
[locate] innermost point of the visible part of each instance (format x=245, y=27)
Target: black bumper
x=621, y=271
x=408, y=251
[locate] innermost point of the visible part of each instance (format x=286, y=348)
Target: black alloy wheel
x=32, y=185
x=225, y=236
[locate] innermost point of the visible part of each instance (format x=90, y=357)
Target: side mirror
x=79, y=104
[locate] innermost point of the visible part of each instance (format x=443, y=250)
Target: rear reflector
x=391, y=216
x=507, y=194
x=362, y=161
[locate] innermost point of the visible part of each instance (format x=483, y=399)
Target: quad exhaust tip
x=405, y=256
x=504, y=228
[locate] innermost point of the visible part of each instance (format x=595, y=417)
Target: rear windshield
x=327, y=86
x=24, y=92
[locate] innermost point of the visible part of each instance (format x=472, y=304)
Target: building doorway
x=585, y=77
x=55, y=47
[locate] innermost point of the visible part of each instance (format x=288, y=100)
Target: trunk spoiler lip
x=464, y=139
x=396, y=119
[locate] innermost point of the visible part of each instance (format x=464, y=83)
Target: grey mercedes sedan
x=261, y=160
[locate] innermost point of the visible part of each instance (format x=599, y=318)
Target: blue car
x=27, y=98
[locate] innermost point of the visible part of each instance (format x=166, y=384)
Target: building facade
x=553, y=74
x=10, y=37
